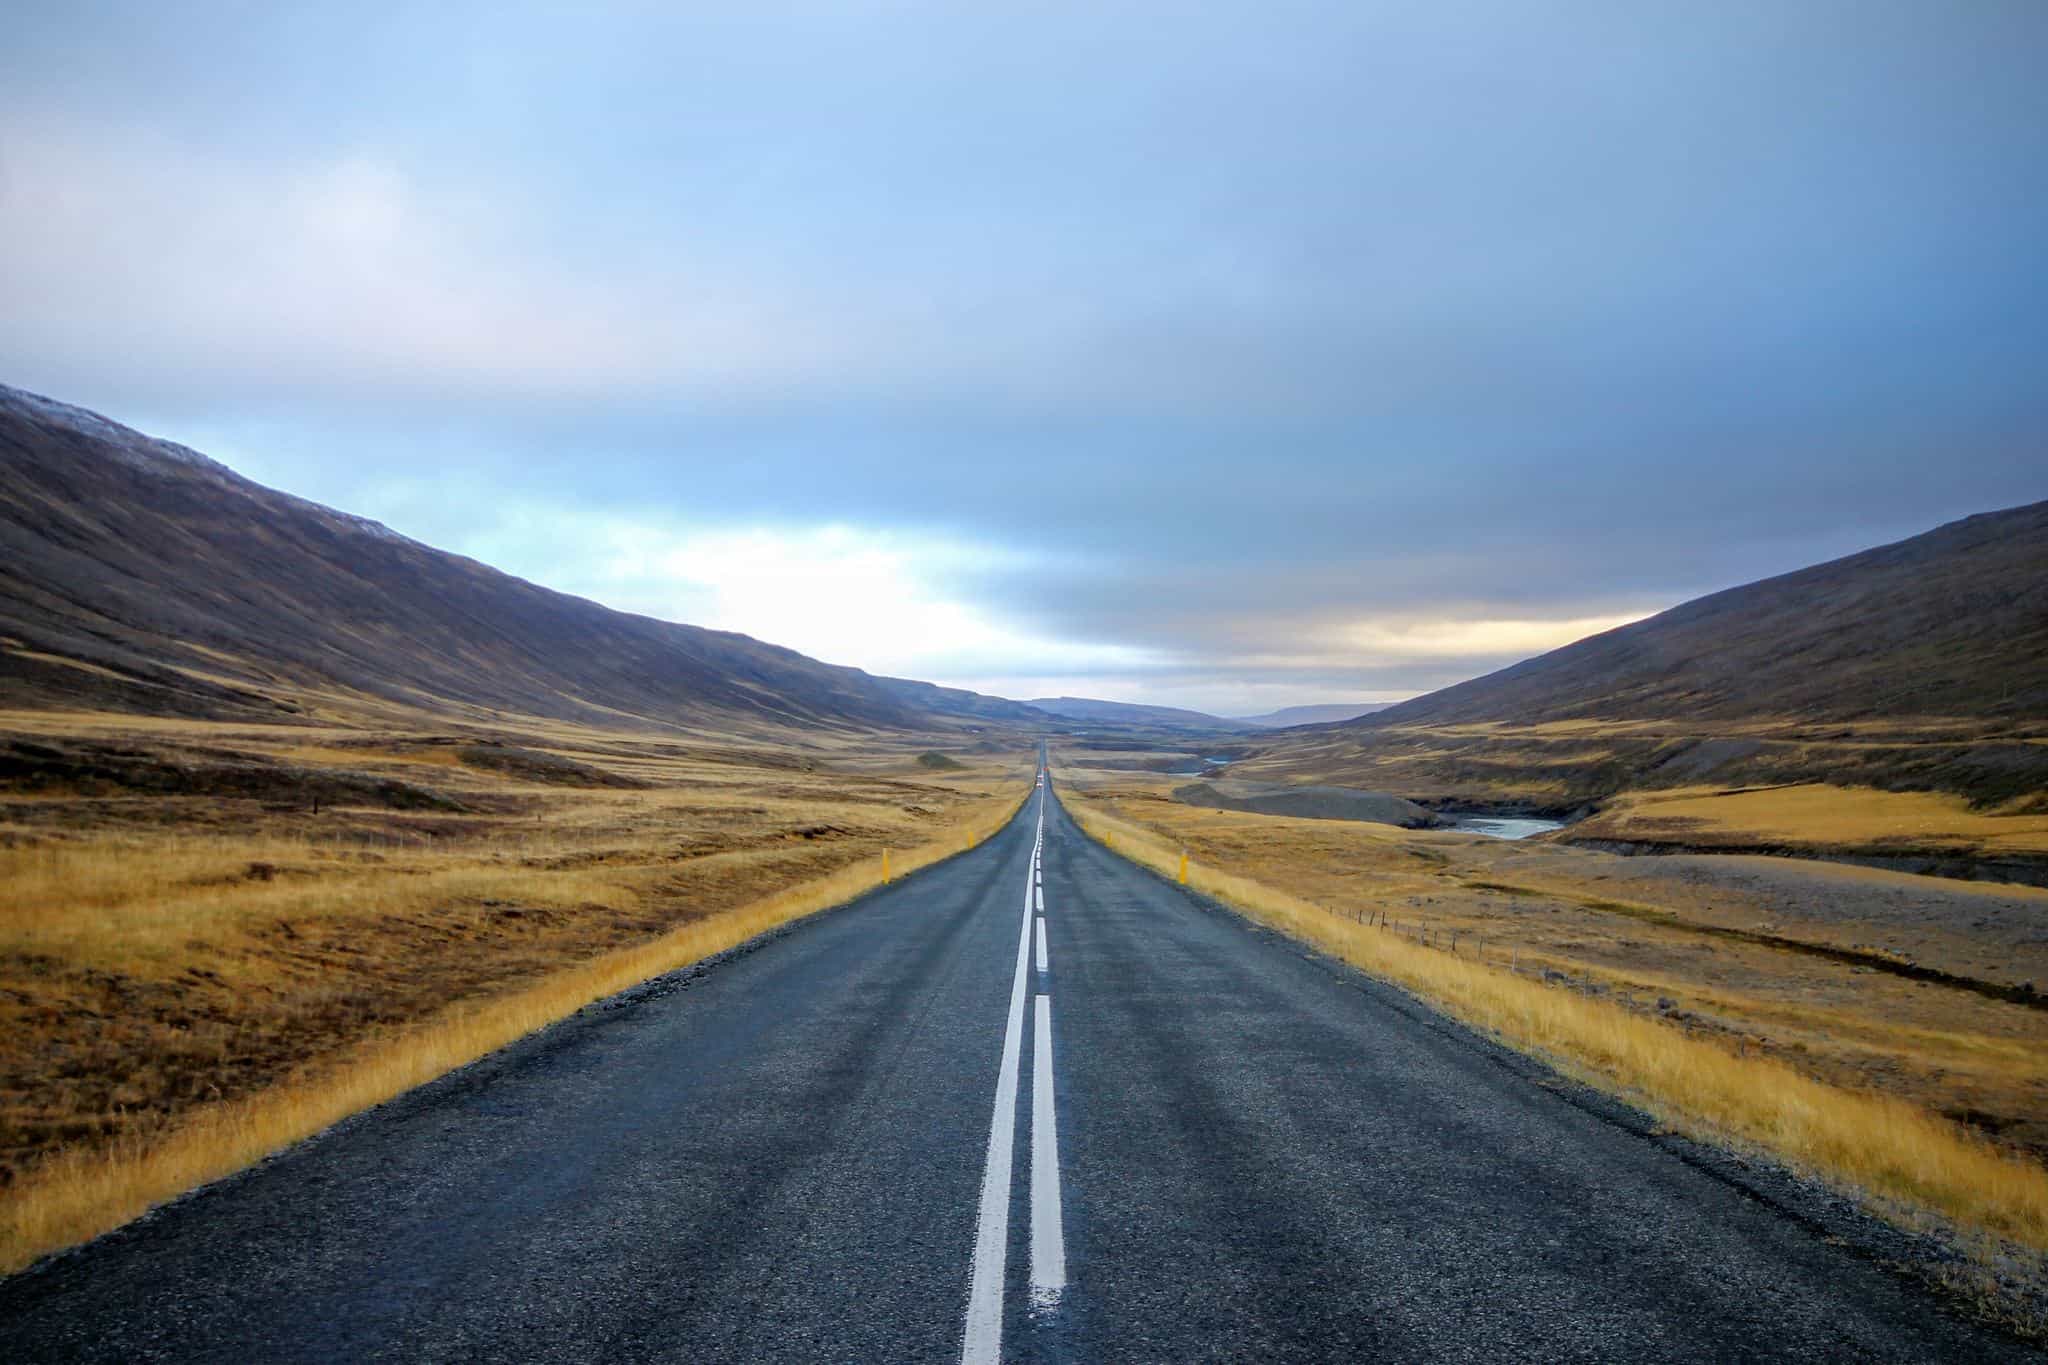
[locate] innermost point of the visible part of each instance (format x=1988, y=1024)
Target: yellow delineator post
x=885, y=864
x=1183, y=867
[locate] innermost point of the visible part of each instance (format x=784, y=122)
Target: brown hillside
x=138, y=575
x=1950, y=623
x=1911, y=667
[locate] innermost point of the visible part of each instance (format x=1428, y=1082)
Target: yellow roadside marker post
x=1183, y=867
x=885, y=864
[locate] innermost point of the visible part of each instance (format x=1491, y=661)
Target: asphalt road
x=888, y=1135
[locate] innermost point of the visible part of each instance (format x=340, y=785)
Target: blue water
x=1506, y=826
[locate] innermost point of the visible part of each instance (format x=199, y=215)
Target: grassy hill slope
x=137, y=575
x=1910, y=667
x=1950, y=623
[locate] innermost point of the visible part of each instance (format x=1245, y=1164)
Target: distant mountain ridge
x=1133, y=713
x=139, y=575
x=1099, y=712
x=1328, y=713
x=959, y=702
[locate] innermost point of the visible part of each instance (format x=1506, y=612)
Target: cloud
x=891, y=602
x=886, y=601
x=1440, y=639
x=356, y=276
x=1226, y=351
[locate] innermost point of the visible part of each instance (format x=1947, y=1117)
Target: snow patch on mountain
x=133, y=448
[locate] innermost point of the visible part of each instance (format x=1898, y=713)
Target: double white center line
x=983, y=1337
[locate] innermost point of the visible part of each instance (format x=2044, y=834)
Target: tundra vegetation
x=217, y=938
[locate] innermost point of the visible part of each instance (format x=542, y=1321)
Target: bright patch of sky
x=877, y=600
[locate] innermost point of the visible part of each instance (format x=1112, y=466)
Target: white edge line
x=981, y=1340
x=1048, y=1232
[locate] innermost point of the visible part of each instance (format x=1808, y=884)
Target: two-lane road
x=1032, y=1103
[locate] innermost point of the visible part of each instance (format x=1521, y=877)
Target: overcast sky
x=1220, y=355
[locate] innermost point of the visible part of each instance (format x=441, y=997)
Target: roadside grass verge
x=1903, y=1160
x=76, y=1195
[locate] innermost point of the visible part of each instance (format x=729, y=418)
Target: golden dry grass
x=81, y=1193
x=1821, y=815
x=1905, y=1160
x=1819, y=964
x=190, y=979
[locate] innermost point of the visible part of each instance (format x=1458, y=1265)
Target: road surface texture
x=1206, y=1145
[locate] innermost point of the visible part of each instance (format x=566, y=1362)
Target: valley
x=297, y=816
x=979, y=683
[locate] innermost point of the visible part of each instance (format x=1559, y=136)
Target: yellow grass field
x=192, y=978
x=1709, y=1035
x=1820, y=815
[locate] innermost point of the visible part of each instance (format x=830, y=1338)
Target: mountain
x=959, y=702
x=1173, y=717
x=1130, y=713
x=1950, y=623
x=1912, y=667
x=139, y=575
x=1326, y=714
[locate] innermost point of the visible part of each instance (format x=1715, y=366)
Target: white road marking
x=982, y=1339
x=1041, y=948
x=1048, y=1232
x=1039, y=895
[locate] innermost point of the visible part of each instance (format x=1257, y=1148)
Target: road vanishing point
x=1032, y=1104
